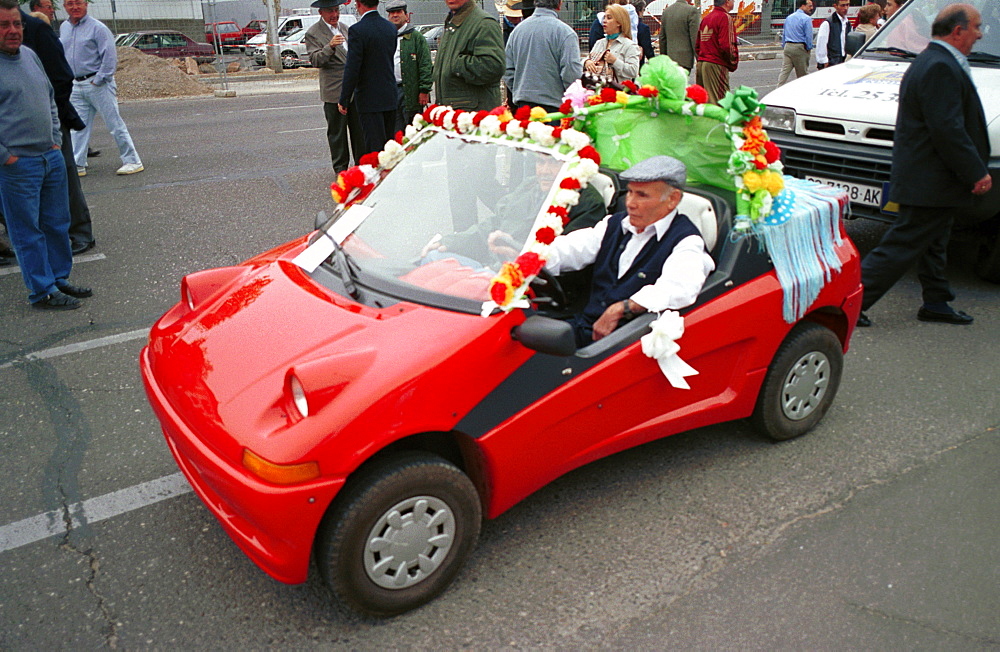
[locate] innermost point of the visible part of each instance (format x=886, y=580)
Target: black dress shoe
x=77, y=291
x=864, y=321
x=91, y=153
x=80, y=247
x=953, y=317
x=57, y=301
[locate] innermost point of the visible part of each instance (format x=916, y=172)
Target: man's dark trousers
x=378, y=129
x=341, y=130
x=919, y=235
x=81, y=231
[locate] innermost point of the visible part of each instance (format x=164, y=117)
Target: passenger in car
x=648, y=258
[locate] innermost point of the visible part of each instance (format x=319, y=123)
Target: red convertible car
x=351, y=398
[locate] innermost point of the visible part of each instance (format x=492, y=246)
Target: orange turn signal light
x=279, y=473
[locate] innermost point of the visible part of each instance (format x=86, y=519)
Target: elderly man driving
x=647, y=258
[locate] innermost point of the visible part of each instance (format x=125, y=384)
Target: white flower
x=585, y=170
x=410, y=132
x=370, y=172
x=437, y=111
x=515, y=130
x=391, y=155
x=541, y=133
x=449, y=119
x=565, y=197
x=464, y=122
x=575, y=139
x=490, y=126
x=418, y=122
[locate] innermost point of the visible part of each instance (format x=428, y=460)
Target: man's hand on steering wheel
x=502, y=245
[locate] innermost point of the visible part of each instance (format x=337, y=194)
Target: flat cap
x=395, y=5
x=658, y=168
x=328, y=4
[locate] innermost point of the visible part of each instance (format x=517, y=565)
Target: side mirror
x=854, y=42
x=546, y=335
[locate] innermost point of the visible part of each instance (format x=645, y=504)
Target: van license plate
x=857, y=193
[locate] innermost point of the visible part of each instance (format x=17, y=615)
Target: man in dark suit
x=938, y=166
x=368, y=75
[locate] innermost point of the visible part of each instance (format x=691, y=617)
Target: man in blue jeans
x=33, y=192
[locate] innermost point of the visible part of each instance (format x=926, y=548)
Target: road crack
x=879, y=613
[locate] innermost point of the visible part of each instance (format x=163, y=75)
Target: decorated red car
x=361, y=397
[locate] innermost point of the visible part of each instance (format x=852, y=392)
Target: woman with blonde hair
x=616, y=56
x=868, y=21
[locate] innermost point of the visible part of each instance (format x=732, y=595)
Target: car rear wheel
x=288, y=59
x=399, y=535
x=801, y=382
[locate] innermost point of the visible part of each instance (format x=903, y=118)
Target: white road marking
x=282, y=108
x=77, y=347
x=93, y=510
x=14, y=269
x=295, y=131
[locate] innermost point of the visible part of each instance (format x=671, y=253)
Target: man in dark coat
x=938, y=166
x=368, y=76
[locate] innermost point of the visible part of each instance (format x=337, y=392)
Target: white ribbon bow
x=660, y=344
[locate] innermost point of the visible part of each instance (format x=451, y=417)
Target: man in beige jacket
x=326, y=46
x=679, y=32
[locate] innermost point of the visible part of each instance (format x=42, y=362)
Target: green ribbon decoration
x=741, y=105
x=663, y=73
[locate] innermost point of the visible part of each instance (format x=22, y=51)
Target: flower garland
x=509, y=286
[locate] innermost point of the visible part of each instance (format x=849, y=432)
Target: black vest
x=834, y=51
x=606, y=287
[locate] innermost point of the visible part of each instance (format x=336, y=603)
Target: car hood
x=864, y=92
x=223, y=366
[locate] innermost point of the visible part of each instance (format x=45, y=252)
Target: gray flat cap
x=395, y=5
x=658, y=168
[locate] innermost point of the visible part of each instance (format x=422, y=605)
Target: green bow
x=741, y=105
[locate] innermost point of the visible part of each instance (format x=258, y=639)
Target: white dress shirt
x=684, y=271
x=823, y=38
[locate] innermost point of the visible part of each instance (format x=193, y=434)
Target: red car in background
x=253, y=28
x=167, y=43
x=229, y=34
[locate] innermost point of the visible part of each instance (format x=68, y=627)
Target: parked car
x=347, y=398
x=230, y=34
x=289, y=24
x=837, y=125
x=292, y=51
x=253, y=28
x=167, y=43
x=433, y=35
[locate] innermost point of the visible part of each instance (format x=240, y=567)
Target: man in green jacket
x=470, y=58
x=412, y=65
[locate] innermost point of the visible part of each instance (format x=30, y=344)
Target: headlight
x=298, y=395
x=777, y=117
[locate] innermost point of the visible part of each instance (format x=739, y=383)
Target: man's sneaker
x=81, y=172
x=130, y=168
x=57, y=301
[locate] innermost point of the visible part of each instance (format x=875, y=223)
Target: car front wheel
x=399, y=535
x=801, y=382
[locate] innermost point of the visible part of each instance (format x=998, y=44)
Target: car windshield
x=448, y=215
x=909, y=32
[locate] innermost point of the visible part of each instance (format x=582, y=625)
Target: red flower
x=771, y=152
x=498, y=292
x=557, y=132
x=354, y=177
x=523, y=113
x=649, y=91
x=697, y=94
x=608, y=94
x=545, y=235
x=569, y=183
x=560, y=211
x=529, y=262
x=371, y=158
x=629, y=84
x=476, y=119
x=399, y=137
x=566, y=107
x=591, y=153
x=427, y=112
x=760, y=165
x=500, y=110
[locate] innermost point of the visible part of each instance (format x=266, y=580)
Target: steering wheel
x=548, y=291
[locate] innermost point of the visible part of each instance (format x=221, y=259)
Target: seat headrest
x=701, y=213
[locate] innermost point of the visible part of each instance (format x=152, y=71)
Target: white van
x=837, y=125
x=286, y=25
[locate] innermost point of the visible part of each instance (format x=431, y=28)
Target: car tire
x=801, y=382
x=416, y=509
x=288, y=59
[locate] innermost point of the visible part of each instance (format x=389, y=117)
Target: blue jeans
x=89, y=100
x=35, y=201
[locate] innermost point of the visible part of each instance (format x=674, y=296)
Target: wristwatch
x=629, y=313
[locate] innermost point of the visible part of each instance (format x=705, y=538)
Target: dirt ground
x=144, y=76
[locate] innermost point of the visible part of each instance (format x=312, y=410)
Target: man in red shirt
x=717, y=52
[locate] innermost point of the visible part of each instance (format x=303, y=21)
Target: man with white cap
x=648, y=258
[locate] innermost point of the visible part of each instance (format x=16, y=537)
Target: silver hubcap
x=805, y=385
x=409, y=542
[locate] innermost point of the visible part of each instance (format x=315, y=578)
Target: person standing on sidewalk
x=33, y=191
x=796, y=42
x=543, y=59
x=412, y=65
x=679, y=33
x=939, y=167
x=832, y=37
x=90, y=50
x=718, y=54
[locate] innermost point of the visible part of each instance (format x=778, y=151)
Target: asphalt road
x=875, y=531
